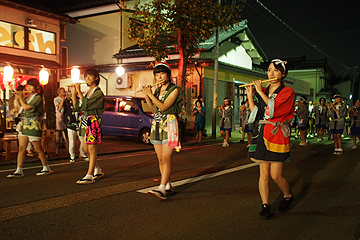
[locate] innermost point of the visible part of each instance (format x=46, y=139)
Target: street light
x=120, y=70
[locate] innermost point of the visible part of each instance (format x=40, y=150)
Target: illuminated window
x=41, y=41
x=11, y=35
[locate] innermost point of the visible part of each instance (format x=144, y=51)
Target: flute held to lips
x=71, y=85
x=24, y=91
x=153, y=85
x=267, y=80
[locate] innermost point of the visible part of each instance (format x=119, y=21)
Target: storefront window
x=41, y=41
x=11, y=35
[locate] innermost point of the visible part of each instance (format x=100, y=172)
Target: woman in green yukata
x=91, y=105
x=30, y=127
x=166, y=105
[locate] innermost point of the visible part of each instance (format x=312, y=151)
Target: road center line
x=203, y=177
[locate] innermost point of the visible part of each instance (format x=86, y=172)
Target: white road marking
x=101, y=158
x=202, y=177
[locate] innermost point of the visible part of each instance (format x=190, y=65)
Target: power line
x=281, y=30
x=300, y=36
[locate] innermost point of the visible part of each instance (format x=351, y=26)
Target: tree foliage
x=162, y=26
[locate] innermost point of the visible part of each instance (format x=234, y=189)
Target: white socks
x=88, y=176
x=162, y=188
x=97, y=171
x=19, y=170
x=46, y=168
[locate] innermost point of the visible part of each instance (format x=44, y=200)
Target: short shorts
x=302, y=127
x=31, y=138
x=355, y=131
x=159, y=142
x=225, y=129
x=336, y=131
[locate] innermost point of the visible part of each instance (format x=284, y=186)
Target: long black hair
x=35, y=83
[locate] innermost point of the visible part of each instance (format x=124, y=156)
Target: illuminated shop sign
x=12, y=35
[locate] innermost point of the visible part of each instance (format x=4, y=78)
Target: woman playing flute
x=272, y=111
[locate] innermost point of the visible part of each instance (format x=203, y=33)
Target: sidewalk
x=109, y=145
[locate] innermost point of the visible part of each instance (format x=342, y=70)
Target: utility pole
x=216, y=68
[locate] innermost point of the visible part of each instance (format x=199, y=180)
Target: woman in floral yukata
x=91, y=105
x=272, y=110
x=166, y=105
x=30, y=128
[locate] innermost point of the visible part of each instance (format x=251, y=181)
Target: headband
x=163, y=64
x=279, y=61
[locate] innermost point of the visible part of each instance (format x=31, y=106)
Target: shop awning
x=26, y=61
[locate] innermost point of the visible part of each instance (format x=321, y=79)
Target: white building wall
x=237, y=57
x=97, y=40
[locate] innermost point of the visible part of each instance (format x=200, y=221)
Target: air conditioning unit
x=122, y=82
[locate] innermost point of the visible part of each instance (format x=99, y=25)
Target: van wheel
x=145, y=136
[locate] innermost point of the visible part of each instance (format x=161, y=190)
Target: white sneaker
x=226, y=144
x=354, y=147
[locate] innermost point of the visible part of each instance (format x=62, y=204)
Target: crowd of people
x=333, y=119
x=267, y=116
x=76, y=114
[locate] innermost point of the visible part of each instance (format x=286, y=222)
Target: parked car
x=127, y=117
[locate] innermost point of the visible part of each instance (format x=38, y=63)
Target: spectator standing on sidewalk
x=311, y=132
x=71, y=119
x=273, y=109
x=320, y=111
x=337, y=111
x=247, y=128
x=91, y=105
x=30, y=127
x=354, y=113
x=225, y=114
x=166, y=105
x=199, y=115
x=303, y=115
x=60, y=134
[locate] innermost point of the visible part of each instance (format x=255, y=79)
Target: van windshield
x=142, y=103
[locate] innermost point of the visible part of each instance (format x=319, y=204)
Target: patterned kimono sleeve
x=284, y=108
x=93, y=105
x=37, y=107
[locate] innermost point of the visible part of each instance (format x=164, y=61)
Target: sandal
x=42, y=173
x=85, y=181
x=15, y=175
x=98, y=176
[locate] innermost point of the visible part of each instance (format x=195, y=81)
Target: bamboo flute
x=152, y=85
x=71, y=85
x=267, y=80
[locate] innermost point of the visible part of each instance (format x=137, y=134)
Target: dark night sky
x=332, y=26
